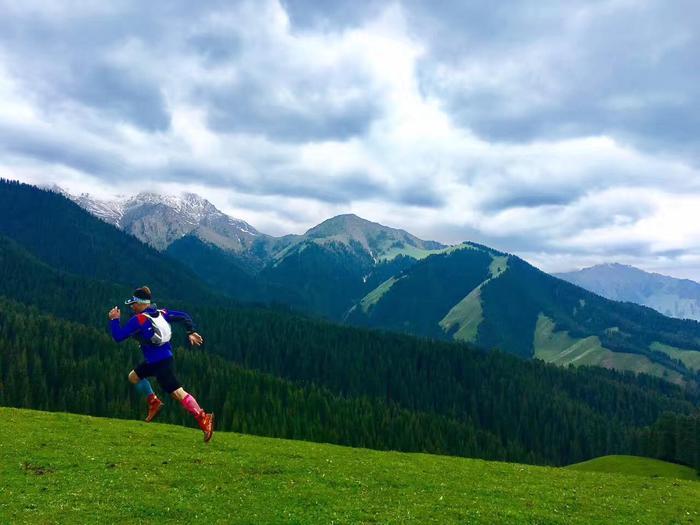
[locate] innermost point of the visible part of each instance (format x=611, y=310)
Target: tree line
x=53, y=364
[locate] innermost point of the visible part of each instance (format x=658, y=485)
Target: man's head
x=141, y=299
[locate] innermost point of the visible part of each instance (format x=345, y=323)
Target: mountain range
x=672, y=297
x=359, y=272
x=496, y=300
x=324, y=271
x=277, y=372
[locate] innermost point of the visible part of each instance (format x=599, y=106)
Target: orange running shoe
x=154, y=406
x=206, y=423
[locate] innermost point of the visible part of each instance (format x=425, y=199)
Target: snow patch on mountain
x=160, y=220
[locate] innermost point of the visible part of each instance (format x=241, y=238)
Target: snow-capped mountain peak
x=160, y=220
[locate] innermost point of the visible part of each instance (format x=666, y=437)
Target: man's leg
x=165, y=374
x=206, y=421
x=143, y=387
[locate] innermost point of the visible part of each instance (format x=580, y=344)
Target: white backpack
x=162, y=332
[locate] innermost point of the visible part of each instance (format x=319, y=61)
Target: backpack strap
x=148, y=316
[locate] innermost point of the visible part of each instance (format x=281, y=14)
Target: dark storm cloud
x=312, y=14
x=216, y=49
x=556, y=70
x=421, y=195
x=344, y=189
x=630, y=70
x=248, y=107
x=671, y=254
x=53, y=149
x=66, y=60
x=453, y=29
x=543, y=241
x=535, y=198
x=121, y=94
x=281, y=181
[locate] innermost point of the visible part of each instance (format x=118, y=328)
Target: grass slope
x=463, y=320
x=407, y=250
x=76, y=469
x=560, y=348
x=636, y=466
x=376, y=294
x=690, y=358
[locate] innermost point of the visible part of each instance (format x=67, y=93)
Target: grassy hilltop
x=77, y=469
x=637, y=466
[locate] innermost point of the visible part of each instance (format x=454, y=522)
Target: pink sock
x=190, y=404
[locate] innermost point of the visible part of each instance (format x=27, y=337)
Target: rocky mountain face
x=672, y=297
x=160, y=220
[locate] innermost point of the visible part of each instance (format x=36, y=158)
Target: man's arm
x=120, y=333
x=173, y=316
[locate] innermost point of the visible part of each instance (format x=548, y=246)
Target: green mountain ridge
x=323, y=271
x=336, y=263
x=508, y=304
x=381, y=242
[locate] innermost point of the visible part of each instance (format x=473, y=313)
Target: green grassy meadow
x=690, y=358
x=63, y=468
x=561, y=349
x=637, y=466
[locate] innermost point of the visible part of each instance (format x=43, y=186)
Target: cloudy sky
x=565, y=132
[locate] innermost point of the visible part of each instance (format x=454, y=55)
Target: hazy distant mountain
x=668, y=295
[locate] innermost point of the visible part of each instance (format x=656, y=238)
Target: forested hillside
x=496, y=300
x=63, y=235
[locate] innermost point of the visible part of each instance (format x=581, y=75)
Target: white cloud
x=284, y=126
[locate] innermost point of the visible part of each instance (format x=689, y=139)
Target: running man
x=151, y=328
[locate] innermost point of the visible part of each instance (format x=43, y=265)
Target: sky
x=567, y=133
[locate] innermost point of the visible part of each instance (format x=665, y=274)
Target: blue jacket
x=140, y=327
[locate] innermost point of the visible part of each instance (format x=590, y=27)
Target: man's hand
x=195, y=339
x=114, y=313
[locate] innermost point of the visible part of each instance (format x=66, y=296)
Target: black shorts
x=164, y=372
